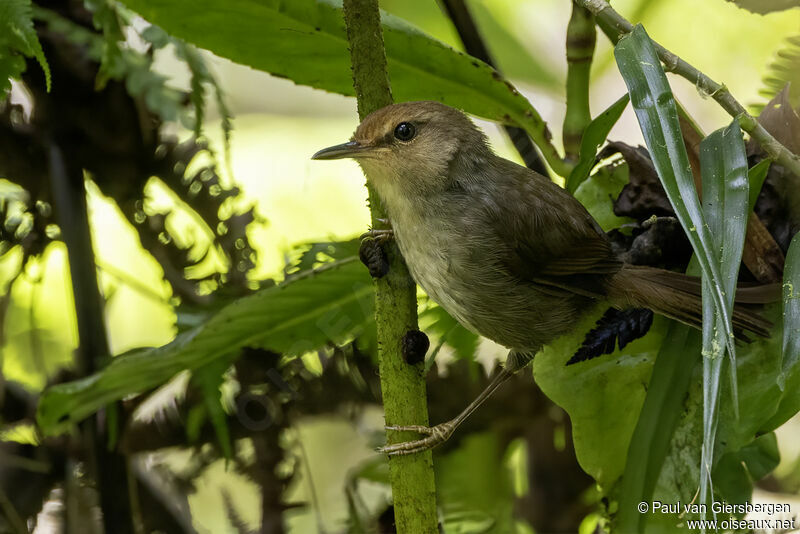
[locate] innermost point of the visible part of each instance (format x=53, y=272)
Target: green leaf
x=760, y=396
x=594, y=136
x=209, y=379
x=330, y=304
x=658, y=118
x=201, y=78
x=763, y=7
x=791, y=312
x=723, y=165
x=17, y=36
x=117, y=62
x=598, y=192
x=602, y=396
x=756, y=176
x=437, y=321
x=474, y=489
x=735, y=472
x=313, y=254
x=305, y=41
x=633, y=415
x=649, y=445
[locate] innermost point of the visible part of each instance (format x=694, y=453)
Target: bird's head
x=408, y=148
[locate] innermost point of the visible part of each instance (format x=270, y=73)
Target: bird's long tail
x=678, y=296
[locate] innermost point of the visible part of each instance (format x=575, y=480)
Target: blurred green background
x=277, y=126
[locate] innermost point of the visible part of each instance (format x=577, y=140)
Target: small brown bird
x=508, y=253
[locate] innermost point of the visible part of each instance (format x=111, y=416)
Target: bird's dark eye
x=405, y=131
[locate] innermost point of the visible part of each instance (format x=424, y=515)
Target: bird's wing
x=551, y=240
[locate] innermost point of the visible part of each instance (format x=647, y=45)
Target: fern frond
x=784, y=69
x=17, y=36
x=201, y=77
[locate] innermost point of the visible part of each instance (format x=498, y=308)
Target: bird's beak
x=351, y=149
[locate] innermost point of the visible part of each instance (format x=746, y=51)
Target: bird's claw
x=435, y=435
x=381, y=236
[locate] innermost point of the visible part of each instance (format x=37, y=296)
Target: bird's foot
x=435, y=435
x=381, y=236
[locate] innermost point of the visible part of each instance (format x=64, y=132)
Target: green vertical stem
x=402, y=385
x=581, y=37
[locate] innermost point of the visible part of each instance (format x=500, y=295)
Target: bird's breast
x=461, y=271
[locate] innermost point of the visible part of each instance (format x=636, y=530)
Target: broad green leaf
x=594, y=136
x=597, y=194
x=18, y=38
x=305, y=41
x=330, y=304
x=602, y=396
x=723, y=165
x=655, y=109
x=633, y=404
x=512, y=50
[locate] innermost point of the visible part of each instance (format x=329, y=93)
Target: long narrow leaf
x=330, y=304
x=756, y=175
x=723, y=164
x=209, y=380
x=594, y=136
x=791, y=311
x=657, y=113
x=666, y=393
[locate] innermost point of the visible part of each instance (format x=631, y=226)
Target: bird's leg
x=380, y=235
x=440, y=433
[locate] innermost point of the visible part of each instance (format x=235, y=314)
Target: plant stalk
x=581, y=38
x=402, y=385
x=106, y=466
x=615, y=26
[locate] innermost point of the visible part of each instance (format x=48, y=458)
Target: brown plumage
x=511, y=255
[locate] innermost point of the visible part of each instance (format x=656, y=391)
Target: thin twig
x=615, y=26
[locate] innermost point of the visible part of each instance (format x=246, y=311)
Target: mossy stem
x=402, y=385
